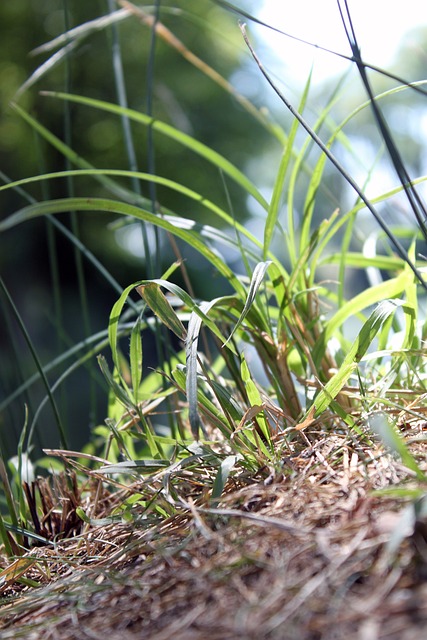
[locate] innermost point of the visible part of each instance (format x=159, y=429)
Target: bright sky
x=379, y=27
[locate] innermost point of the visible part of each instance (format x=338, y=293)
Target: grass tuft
x=285, y=408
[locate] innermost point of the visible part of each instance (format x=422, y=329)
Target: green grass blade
x=256, y=281
x=373, y=295
x=179, y=375
x=11, y=506
x=74, y=158
x=32, y=349
x=152, y=295
x=276, y=198
x=122, y=395
x=255, y=400
x=135, y=466
x=194, y=326
x=358, y=349
x=113, y=324
x=174, y=134
x=146, y=177
x=188, y=302
x=136, y=358
x=229, y=404
x=221, y=477
x=124, y=209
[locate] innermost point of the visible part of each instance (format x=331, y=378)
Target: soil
x=333, y=546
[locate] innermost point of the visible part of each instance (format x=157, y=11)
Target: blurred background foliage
x=49, y=301
x=182, y=96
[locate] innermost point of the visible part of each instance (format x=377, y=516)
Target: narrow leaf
x=221, y=478
x=159, y=304
x=135, y=357
x=373, y=295
x=118, y=391
x=256, y=281
x=358, y=349
x=124, y=209
x=194, y=326
x=135, y=466
x=182, y=138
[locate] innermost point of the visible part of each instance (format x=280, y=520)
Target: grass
x=270, y=470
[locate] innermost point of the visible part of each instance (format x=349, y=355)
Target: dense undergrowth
x=247, y=381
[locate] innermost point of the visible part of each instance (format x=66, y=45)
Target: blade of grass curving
x=225, y=468
x=215, y=236
x=256, y=281
x=46, y=67
x=166, y=182
x=194, y=326
x=62, y=228
x=67, y=152
x=388, y=289
x=152, y=295
x=188, y=302
x=171, y=132
x=31, y=347
x=358, y=349
x=82, y=31
x=397, y=245
x=122, y=394
x=121, y=208
x=113, y=326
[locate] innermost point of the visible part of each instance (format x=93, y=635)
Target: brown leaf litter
x=316, y=554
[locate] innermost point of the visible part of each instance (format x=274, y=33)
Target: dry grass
x=303, y=553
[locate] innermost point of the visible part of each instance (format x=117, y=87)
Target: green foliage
x=281, y=315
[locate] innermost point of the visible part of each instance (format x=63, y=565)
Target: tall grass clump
x=285, y=350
